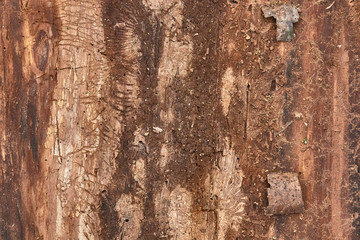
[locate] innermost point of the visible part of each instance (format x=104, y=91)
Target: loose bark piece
x=284, y=194
x=285, y=16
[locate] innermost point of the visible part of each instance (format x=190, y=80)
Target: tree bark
x=161, y=119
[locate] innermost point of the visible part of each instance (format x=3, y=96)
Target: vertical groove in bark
x=353, y=131
x=11, y=219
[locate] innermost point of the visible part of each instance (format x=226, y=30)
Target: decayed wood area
x=161, y=119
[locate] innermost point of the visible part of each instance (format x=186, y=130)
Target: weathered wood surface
x=84, y=83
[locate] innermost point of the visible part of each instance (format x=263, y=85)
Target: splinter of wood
x=285, y=16
x=284, y=194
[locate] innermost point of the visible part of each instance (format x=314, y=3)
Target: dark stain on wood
x=41, y=50
x=138, y=21
x=27, y=106
x=353, y=130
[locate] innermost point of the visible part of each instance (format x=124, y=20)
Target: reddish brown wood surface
x=161, y=119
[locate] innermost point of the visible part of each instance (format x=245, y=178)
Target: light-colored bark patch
x=179, y=213
x=227, y=90
x=130, y=215
x=139, y=172
x=88, y=114
x=173, y=212
x=227, y=185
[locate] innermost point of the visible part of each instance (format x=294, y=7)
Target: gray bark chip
x=284, y=194
x=285, y=16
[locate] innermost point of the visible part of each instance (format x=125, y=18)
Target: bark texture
x=161, y=119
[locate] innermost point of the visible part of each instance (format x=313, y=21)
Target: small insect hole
x=273, y=85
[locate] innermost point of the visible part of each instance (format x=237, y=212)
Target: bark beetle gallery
x=174, y=119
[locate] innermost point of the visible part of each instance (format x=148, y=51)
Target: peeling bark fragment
x=285, y=16
x=284, y=194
